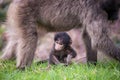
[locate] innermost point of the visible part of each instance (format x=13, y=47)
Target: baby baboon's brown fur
x=25, y=16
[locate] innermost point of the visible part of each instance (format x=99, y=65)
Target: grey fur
x=25, y=16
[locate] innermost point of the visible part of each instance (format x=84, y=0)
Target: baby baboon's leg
x=26, y=45
x=53, y=60
x=91, y=54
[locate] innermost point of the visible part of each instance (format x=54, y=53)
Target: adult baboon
x=25, y=16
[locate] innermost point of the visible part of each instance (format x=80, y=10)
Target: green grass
x=102, y=71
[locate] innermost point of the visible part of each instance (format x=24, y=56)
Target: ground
x=102, y=71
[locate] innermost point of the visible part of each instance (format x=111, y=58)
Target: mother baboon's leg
x=26, y=44
x=91, y=54
x=11, y=32
x=9, y=50
x=101, y=41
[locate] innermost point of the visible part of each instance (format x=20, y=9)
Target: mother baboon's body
x=25, y=16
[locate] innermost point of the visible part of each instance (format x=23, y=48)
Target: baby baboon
x=25, y=16
x=62, y=52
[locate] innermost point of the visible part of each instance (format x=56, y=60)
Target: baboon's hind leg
x=101, y=40
x=91, y=53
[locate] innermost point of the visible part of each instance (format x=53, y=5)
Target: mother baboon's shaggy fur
x=25, y=16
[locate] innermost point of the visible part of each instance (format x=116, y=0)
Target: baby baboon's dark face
x=61, y=41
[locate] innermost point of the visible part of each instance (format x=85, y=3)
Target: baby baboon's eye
x=60, y=43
